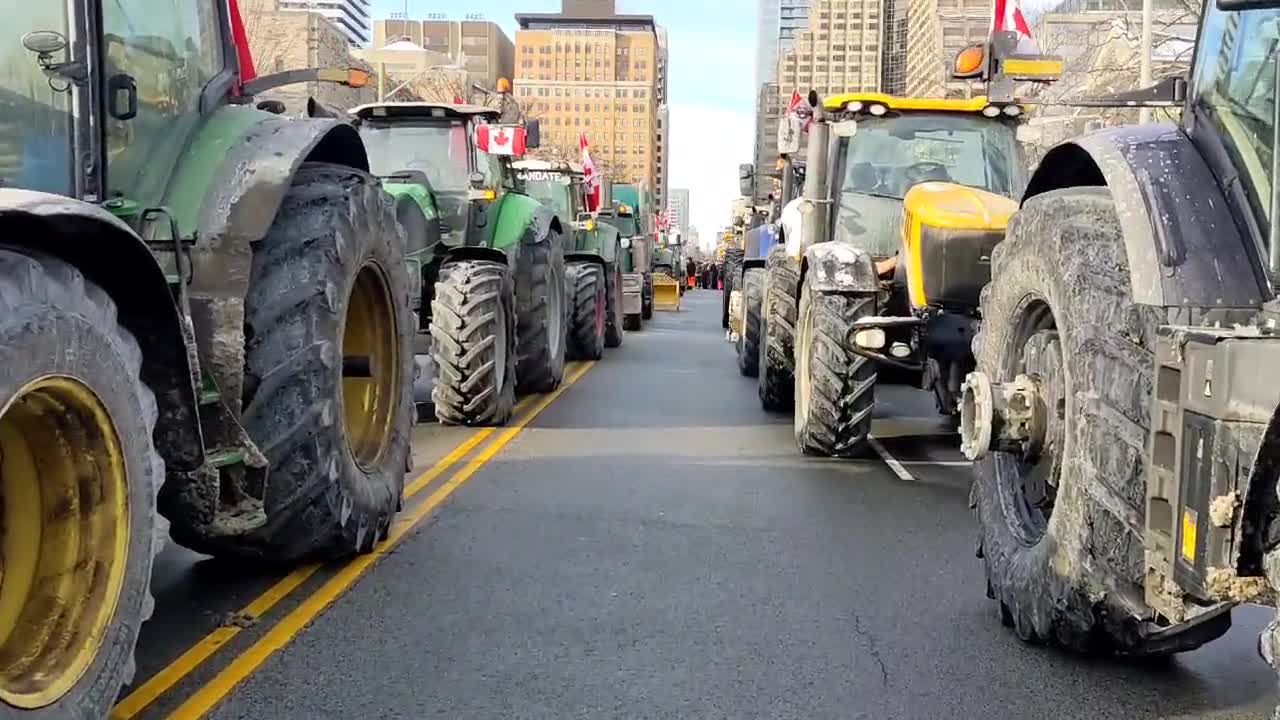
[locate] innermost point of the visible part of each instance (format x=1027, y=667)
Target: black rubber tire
x=1064, y=262
x=732, y=278
x=320, y=503
x=473, y=343
x=588, y=304
x=777, y=344
x=749, y=341
x=631, y=323
x=835, y=387
x=55, y=322
x=613, y=331
x=540, y=271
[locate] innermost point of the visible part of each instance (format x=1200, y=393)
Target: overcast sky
x=711, y=49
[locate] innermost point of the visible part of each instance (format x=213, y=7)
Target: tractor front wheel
x=777, y=333
x=473, y=333
x=589, y=309
x=749, y=341
x=329, y=368
x=79, y=474
x=835, y=386
x=540, y=315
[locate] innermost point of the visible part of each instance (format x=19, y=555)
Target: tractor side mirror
x=586, y=221
x=532, y=134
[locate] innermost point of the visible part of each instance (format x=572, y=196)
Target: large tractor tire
x=589, y=307
x=613, y=328
x=1058, y=558
x=473, y=347
x=777, y=333
x=631, y=323
x=79, y=475
x=835, y=387
x=646, y=298
x=540, y=315
x=749, y=342
x=328, y=369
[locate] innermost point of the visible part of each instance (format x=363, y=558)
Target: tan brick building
x=839, y=51
x=936, y=31
x=589, y=69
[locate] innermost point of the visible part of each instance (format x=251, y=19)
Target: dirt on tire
x=335, y=225
x=38, y=294
x=473, y=348
x=588, y=309
x=749, y=341
x=835, y=387
x=777, y=334
x=1066, y=563
x=540, y=315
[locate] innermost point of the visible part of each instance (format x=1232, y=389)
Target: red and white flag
x=589, y=174
x=793, y=108
x=500, y=139
x=1007, y=16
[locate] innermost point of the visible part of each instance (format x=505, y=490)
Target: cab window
x=35, y=111
x=1234, y=85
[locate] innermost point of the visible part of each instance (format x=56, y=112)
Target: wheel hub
x=64, y=537
x=370, y=368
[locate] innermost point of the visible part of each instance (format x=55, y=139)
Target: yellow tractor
x=881, y=260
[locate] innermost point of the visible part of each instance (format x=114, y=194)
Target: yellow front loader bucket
x=666, y=292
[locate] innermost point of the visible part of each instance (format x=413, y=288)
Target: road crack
x=869, y=642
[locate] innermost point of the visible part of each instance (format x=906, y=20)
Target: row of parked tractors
x=219, y=324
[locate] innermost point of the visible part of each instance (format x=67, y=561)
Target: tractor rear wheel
x=328, y=369
x=777, y=333
x=1061, y=523
x=79, y=473
x=473, y=333
x=589, y=300
x=732, y=273
x=749, y=342
x=540, y=315
x=835, y=387
x=613, y=317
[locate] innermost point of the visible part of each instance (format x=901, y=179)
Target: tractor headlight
x=626, y=243
x=1012, y=110
x=991, y=111
x=878, y=110
x=855, y=106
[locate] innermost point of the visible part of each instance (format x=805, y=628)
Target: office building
x=936, y=31
x=589, y=69
x=777, y=23
x=351, y=17
x=678, y=207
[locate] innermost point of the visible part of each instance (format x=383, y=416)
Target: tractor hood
x=948, y=234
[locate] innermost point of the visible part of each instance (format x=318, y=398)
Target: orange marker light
x=969, y=60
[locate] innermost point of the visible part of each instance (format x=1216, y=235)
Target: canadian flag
x=1007, y=15
x=793, y=108
x=500, y=139
x=589, y=174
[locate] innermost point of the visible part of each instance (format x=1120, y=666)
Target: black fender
x=477, y=252
x=839, y=267
x=592, y=258
x=753, y=263
x=113, y=257
x=544, y=220
x=1185, y=248
x=241, y=202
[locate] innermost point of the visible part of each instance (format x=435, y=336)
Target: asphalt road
x=652, y=546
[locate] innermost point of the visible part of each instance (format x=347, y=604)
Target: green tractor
x=637, y=287
x=490, y=258
x=593, y=271
x=203, y=331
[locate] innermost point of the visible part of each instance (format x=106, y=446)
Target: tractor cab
x=561, y=185
x=886, y=145
x=453, y=161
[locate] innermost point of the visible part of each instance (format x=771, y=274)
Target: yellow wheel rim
x=370, y=367
x=64, y=537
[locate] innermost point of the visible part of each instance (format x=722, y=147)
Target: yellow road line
x=239, y=669
x=195, y=656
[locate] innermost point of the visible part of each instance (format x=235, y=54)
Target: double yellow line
x=248, y=661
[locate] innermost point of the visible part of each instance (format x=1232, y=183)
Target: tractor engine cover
x=949, y=232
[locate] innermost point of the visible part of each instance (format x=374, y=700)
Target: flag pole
x=1144, y=71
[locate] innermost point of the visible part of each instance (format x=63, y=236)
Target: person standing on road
x=509, y=109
